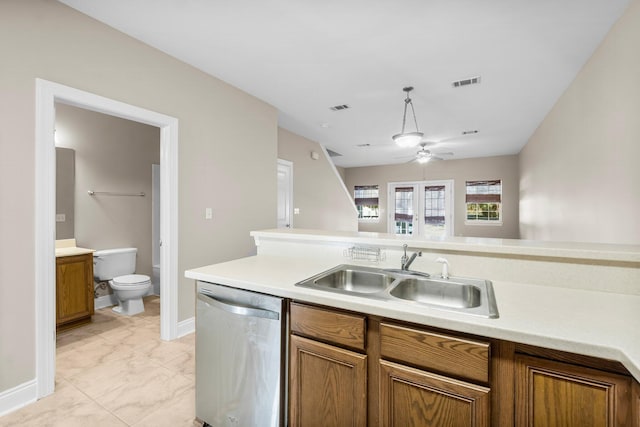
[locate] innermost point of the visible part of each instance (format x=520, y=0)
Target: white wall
x=580, y=179
x=116, y=155
x=318, y=191
x=484, y=168
x=227, y=150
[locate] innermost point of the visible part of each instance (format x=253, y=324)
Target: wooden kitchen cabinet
x=417, y=388
x=328, y=385
x=74, y=290
x=412, y=397
x=328, y=368
x=353, y=369
x=556, y=394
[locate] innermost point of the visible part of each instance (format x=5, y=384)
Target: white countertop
x=599, y=324
x=67, y=247
x=571, y=250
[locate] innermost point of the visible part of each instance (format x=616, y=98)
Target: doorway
x=285, y=194
x=422, y=209
x=47, y=94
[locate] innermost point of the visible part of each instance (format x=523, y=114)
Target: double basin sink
x=463, y=295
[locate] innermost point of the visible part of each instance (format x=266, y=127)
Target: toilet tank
x=111, y=263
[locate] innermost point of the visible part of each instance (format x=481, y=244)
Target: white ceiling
x=304, y=56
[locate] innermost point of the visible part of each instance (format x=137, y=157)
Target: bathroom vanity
x=74, y=285
x=565, y=349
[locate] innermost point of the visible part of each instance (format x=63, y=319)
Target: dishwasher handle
x=209, y=299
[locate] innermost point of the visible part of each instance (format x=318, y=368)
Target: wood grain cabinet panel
x=636, y=404
x=328, y=385
x=344, y=329
x=411, y=397
x=436, y=352
x=74, y=290
x=556, y=394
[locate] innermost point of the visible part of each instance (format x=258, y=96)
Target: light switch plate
x=296, y=211
x=208, y=213
x=61, y=217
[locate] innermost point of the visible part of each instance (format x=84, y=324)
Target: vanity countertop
x=67, y=247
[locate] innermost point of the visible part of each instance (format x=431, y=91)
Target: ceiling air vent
x=466, y=82
x=333, y=153
x=339, y=107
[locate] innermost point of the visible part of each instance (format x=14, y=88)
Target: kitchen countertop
x=599, y=324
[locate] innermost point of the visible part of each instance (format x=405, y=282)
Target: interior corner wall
x=227, y=152
x=318, y=191
x=483, y=168
x=114, y=155
x=580, y=179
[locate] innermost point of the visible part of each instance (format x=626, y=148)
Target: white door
x=285, y=193
x=421, y=208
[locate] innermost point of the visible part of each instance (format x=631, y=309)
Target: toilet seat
x=131, y=281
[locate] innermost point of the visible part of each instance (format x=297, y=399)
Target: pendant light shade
x=408, y=139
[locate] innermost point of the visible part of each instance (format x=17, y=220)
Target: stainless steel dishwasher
x=240, y=357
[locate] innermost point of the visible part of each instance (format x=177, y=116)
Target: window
x=403, y=215
x=484, y=202
x=434, y=209
x=366, y=199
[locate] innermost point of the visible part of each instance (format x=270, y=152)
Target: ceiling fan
x=423, y=155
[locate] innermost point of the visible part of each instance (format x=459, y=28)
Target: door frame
x=47, y=94
x=288, y=164
x=419, y=185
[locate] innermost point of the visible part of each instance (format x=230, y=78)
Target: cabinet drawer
x=327, y=325
x=436, y=352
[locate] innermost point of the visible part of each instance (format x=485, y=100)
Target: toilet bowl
x=129, y=289
x=118, y=267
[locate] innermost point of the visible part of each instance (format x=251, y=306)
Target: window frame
x=370, y=186
x=483, y=222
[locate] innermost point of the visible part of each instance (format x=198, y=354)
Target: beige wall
x=580, y=179
x=115, y=155
x=317, y=190
x=223, y=134
x=501, y=167
x=65, y=192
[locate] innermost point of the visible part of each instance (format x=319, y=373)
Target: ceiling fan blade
x=449, y=153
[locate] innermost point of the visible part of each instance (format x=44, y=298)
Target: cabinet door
x=74, y=288
x=411, y=397
x=551, y=394
x=328, y=385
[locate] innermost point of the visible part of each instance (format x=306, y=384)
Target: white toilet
x=117, y=266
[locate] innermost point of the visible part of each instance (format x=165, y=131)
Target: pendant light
x=408, y=139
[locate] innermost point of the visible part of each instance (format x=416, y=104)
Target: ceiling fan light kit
x=408, y=139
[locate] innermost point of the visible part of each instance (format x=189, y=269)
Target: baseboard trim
x=186, y=327
x=18, y=397
x=105, y=301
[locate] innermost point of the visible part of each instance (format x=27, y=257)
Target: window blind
x=484, y=191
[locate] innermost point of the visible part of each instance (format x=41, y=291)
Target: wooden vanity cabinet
x=328, y=368
x=74, y=290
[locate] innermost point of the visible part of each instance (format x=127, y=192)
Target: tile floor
x=117, y=372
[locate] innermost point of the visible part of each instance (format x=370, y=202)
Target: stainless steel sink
x=448, y=293
x=463, y=295
x=355, y=280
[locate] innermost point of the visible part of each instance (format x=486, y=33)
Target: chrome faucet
x=405, y=261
